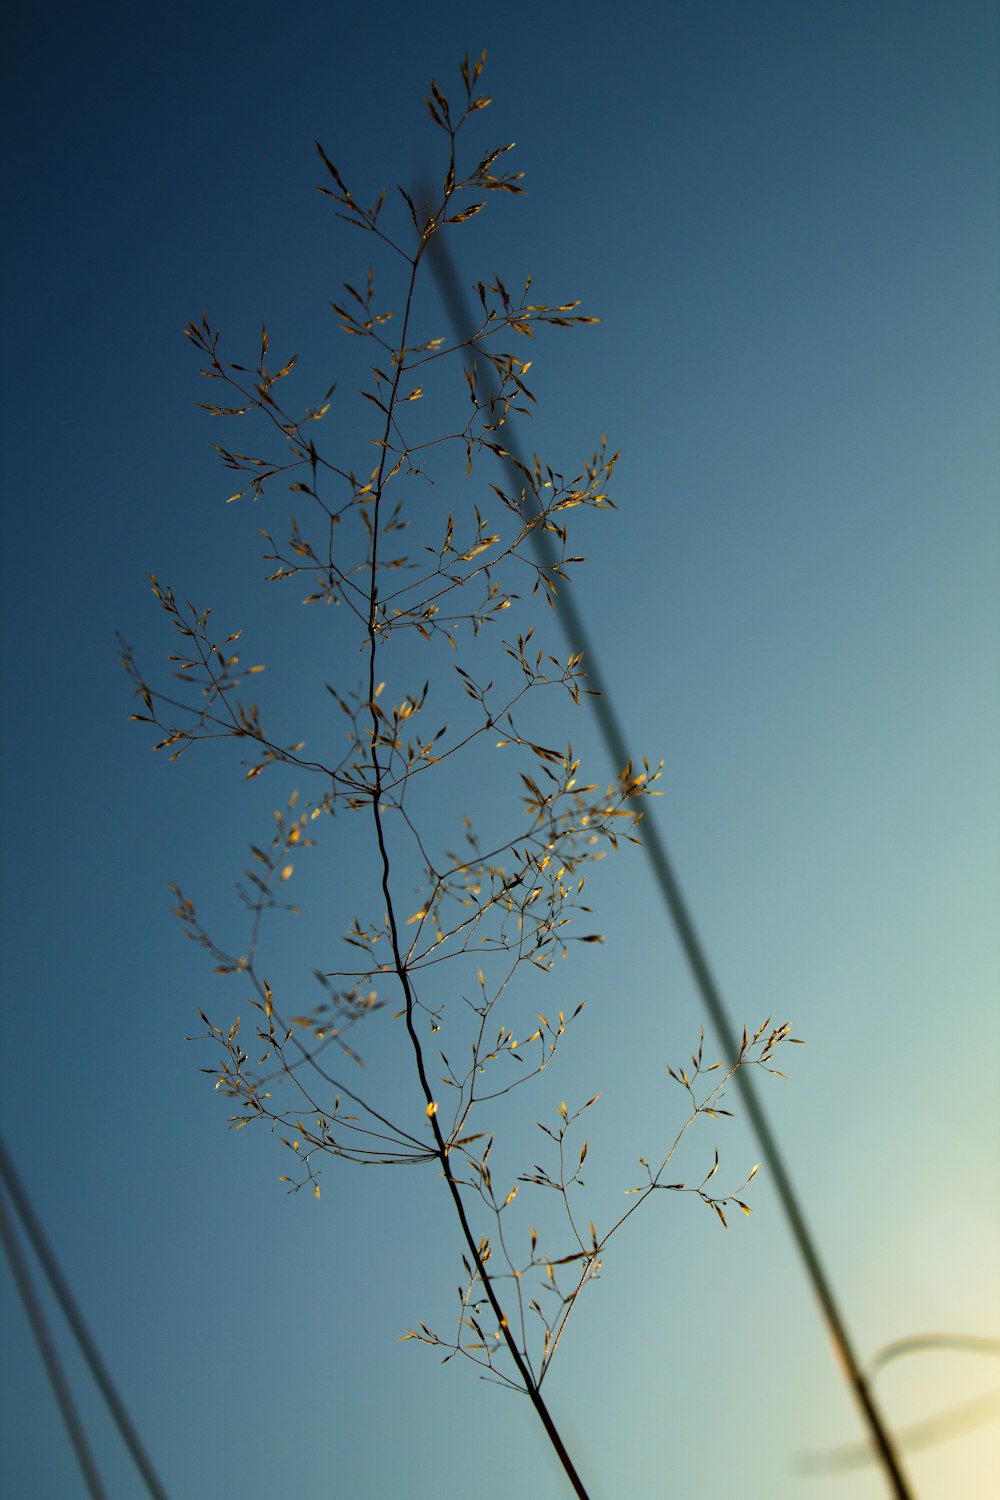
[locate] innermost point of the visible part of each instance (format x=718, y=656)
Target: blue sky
x=786, y=218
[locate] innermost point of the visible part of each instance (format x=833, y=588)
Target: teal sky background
x=787, y=218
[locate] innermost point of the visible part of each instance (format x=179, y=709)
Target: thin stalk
x=80, y=1331
x=399, y=961
x=534, y=1395
x=50, y=1355
x=609, y=724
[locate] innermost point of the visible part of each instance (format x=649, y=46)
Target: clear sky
x=786, y=218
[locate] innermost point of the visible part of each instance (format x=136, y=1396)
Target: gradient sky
x=786, y=217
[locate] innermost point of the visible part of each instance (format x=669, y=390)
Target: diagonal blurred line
x=46, y=1258
x=578, y=639
x=932, y=1343
x=966, y=1417
x=940, y=1427
x=50, y=1355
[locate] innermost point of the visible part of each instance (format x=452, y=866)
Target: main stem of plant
x=399, y=962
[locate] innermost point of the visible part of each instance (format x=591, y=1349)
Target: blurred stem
x=19, y=1198
x=577, y=638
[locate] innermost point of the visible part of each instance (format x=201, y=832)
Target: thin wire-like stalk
x=609, y=725
x=531, y=1388
x=50, y=1355
x=71, y=1312
x=399, y=957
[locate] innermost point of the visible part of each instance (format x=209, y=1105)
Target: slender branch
x=475, y=1249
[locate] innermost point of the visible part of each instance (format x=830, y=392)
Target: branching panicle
x=405, y=574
